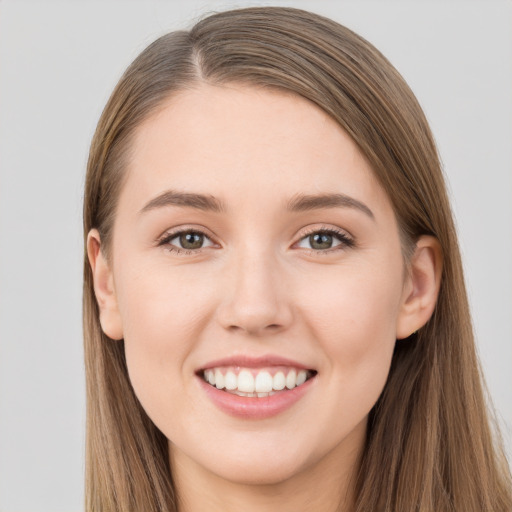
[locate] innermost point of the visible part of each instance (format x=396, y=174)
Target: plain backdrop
x=58, y=64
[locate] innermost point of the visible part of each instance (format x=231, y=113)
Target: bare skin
x=325, y=287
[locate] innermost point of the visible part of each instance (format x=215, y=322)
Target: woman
x=274, y=307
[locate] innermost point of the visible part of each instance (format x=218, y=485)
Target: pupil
x=191, y=240
x=320, y=241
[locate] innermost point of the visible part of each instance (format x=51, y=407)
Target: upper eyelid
x=174, y=232
x=205, y=231
x=326, y=229
x=345, y=238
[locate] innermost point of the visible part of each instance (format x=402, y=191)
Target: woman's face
x=253, y=246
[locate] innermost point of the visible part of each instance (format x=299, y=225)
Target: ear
x=103, y=279
x=421, y=287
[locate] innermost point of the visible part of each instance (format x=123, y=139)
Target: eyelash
x=168, y=237
x=345, y=240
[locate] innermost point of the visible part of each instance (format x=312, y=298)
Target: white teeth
x=290, y=379
x=301, y=377
x=279, y=381
x=252, y=395
x=245, y=381
x=263, y=382
x=219, y=379
x=260, y=385
x=230, y=381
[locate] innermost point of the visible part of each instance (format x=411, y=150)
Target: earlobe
x=422, y=287
x=104, y=289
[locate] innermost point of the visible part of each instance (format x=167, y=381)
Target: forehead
x=236, y=141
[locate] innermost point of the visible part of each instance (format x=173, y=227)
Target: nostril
x=254, y=329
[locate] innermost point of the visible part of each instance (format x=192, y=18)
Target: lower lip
x=252, y=407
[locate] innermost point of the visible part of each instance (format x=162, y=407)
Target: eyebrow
x=298, y=203
x=302, y=203
x=185, y=199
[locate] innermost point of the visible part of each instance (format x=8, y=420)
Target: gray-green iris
x=320, y=241
x=191, y=240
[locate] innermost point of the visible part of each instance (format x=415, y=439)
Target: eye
x=187, y=240
x=325, y=240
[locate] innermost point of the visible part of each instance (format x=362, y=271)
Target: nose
x=255, y=299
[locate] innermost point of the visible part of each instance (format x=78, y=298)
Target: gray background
x=58, y=63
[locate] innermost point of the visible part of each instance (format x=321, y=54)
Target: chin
x=260, y=464
x=257, y=474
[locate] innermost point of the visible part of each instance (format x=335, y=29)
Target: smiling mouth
x=256, y=383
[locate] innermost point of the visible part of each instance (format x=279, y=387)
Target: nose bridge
x=254, y=300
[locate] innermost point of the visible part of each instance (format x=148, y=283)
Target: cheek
x=159, y=303
x=354, y=301
x=354, y=322
x=162, y=319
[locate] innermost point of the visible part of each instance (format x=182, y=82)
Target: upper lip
x=254, y=362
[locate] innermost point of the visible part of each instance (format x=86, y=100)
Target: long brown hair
x=430, y=446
